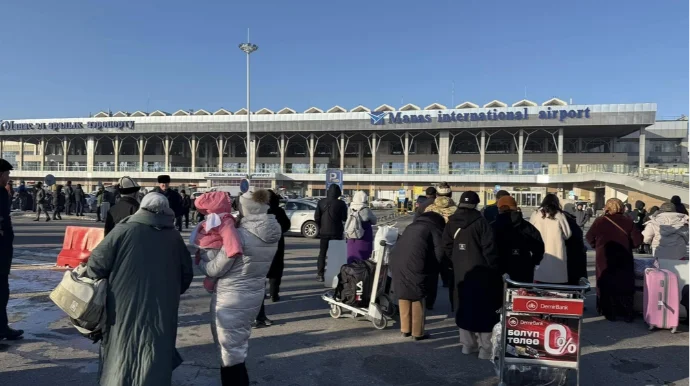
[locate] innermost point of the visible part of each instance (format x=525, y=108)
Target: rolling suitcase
x=661, y=299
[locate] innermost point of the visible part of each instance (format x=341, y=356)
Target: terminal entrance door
x=523, y=199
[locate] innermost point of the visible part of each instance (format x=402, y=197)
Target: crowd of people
x=148, y=265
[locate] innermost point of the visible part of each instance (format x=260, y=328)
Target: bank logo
x=532, y=305
x=513, y=322
x=378, y=118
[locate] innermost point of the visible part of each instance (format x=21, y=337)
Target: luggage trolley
x=381, y=307
x=540, y=331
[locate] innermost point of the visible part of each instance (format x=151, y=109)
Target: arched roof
x=286, y=110
x=102, y=114
x=383, y=108
x=313, y=110
x=410, y=107
x=121, y=114
x=525, y=103
x=201, y=112
x=554, y=102
x=360, y=109
x=159, y=113
x=241, y=111
x=138, y=114
x=222, y=112
x=435, y=106
x=336, y=109
x=264, y=111
x=180, y=113
x=495, y=103
x=467, y=105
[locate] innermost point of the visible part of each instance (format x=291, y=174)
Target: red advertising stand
x=540, y=326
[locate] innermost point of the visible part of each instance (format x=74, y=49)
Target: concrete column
x=90, y=152
x=221, y=145
x=252, y=154
x=21, y=153
x=116, y=152
x=341, y=144
x=2, y=148
x=613, y=145
x=560, y=150
x=443, y=149
x=312, y=150
x=42, y=149
x=65, y=150
x=406, y=151
x=579, y=145
x=373, y=154
x=192, y=147
x=166, y=151
x=482, y=151
x=643, y=149
x=521, y=150
x=282, y=147
x=141, y=153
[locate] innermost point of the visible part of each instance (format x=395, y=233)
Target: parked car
x=382, y=203
x=301, y=214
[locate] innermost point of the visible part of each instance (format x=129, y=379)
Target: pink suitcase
x=661, y=299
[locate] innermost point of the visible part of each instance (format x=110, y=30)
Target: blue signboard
x=401, y=195
x=244, y=185
x=334, y=176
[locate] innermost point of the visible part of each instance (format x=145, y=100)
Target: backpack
x=83, y=300
x=355, y=282
x=353, y=226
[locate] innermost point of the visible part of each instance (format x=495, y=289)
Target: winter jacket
x=581, y=218
x=490, y=212
x=186, y=202
x=360, y=249
x=278, y=264
x=40, y=196
x=69, y=193
x=442, y=205
x=148, y=266
x=422, y=207
x=331, y=214
x=78, y=194
x=414, y=261
x=240, y=288
x=667, y=233
x=58, y=198
x=100, y=194
x=123, y=209
x=519, y=245
x=554, y=231
x=615, y=268
x=576, y=252
x=469, y=242
x=174, y=200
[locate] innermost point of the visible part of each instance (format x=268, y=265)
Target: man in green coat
x=148, y=266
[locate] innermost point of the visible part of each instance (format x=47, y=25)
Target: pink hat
x=213, y=202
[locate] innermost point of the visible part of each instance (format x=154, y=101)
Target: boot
x=234, y=375
x=11, y=334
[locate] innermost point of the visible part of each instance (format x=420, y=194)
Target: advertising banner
x=531, y=339
x=535, y=305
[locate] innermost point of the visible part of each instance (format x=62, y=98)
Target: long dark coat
x=278, y=264
x=576, y=252
x=148, y=266
x=614, y=257
x=126, y=207
x=330, y=214
x=519, y=244
x=415, y=259
x=478, y=284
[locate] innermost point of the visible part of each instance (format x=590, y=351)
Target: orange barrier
x=78, y=244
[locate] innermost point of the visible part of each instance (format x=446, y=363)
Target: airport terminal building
x=524, y=147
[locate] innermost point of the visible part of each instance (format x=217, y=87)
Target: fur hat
x=164, y=179
x=254, y=202
x=126, y=185
x=443, y=189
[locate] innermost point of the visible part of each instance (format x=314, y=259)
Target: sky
x=71, y=58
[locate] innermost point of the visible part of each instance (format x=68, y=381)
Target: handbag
x=83, y=300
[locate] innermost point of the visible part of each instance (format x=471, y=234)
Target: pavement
x=305, y=346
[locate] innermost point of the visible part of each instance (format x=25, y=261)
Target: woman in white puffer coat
x=240, y=283
x=667, y=233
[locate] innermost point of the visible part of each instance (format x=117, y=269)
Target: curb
x=64, y=217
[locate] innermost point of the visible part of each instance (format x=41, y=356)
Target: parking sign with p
x=334, y=176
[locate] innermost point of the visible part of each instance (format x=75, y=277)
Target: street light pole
x=248, y=48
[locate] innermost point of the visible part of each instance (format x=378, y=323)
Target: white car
x=382, y=203
x=301, y=215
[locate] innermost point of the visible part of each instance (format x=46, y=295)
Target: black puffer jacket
x=126, y=207
x=469, y=241
x=330, y=214
x=576, y=251
x=415, y=259
x=278, y=264
x=490, y=213
x=520, y=246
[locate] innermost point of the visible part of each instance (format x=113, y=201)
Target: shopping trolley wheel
x=380, y=324
x=335, y=311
